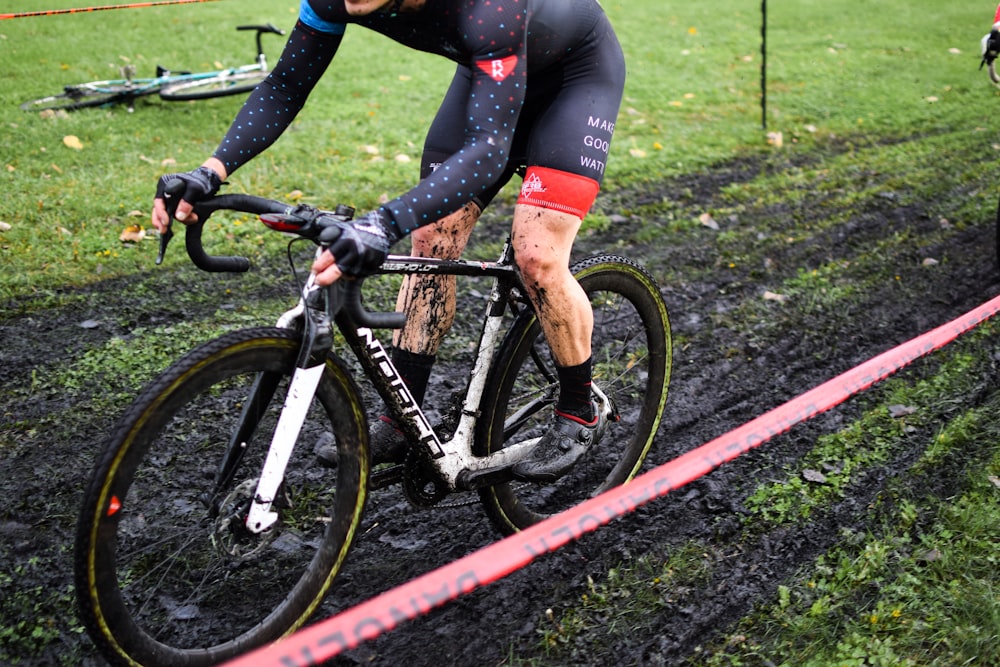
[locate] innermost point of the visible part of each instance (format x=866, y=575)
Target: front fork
x=314, y=312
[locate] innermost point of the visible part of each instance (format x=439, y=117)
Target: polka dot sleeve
x=271, y=108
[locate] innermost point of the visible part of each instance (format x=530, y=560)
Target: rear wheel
x=217, y=86
x=631, y=352
x=167, y=572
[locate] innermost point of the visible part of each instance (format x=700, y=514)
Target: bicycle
x=209, y=527
x=171, y=86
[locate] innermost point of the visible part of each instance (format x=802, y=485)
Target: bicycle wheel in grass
x=166, y=572
x=216, y=86
x=632, y=359
x=79, y=98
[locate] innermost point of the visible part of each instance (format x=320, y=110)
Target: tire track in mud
x=726, y=372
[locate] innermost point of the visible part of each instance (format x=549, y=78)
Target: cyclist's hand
x=199, y=184
x=359, y=249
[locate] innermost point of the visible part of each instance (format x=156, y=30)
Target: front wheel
x=167, y=572
x=631, y=353
x=80, y=97
x=216, y=86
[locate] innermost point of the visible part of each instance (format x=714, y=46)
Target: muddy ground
x=725, y=373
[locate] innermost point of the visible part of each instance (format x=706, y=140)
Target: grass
x=848, y=81
x=692, y=98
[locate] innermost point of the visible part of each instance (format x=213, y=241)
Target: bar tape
x=346, y=630
x=80, y=10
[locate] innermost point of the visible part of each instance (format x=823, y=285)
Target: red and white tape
x=81, y=10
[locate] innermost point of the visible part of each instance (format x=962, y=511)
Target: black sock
x=415, y=369
x=574, y=391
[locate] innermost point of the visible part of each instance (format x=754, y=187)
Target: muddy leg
x=542, y=241
x=429, y=301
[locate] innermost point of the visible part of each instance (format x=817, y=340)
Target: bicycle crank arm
x=494, y=468
x=473, y=480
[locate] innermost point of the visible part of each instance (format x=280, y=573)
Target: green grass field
x=692, y=97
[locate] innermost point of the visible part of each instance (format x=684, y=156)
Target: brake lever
x=174, y=187
x=165, y=237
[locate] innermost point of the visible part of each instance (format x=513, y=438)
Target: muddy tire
x=166, y=572
x=632, y=360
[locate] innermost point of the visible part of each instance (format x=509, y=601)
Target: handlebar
x=261, y=29
x=259, y=206
x=192, y=233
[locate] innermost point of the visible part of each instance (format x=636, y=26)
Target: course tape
x=80, y=10
x=346, y=630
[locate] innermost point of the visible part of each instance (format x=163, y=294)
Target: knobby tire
x=77, y=98
x=632, y=357
x=166, y=573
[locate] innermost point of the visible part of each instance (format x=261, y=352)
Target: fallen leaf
x=776, y=139
x=132, y=234
x=168, y=162
x=72, y=141
x=402, y=157
x=5, y=227
x=932, y=555
x=995, y=481
x=930, y=261
x=637, y=152
x=707, y=220
x=295, y=195
x=774, y=296
x=89, y=324
x=897, y=411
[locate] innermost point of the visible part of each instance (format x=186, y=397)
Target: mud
x=726, y=371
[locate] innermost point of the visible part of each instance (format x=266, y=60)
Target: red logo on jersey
x=498, y=69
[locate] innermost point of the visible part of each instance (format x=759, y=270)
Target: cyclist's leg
x=567, y=135
x=568, y=138
x=543, y=239
x=429, y=301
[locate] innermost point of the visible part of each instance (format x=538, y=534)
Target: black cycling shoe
x=565, y=443
x=386, y=443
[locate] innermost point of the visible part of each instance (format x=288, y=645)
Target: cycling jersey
x=538, y=83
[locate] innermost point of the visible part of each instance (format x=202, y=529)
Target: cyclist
x=536, y=92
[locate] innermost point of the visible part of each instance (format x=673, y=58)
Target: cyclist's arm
x=273, y=105
x=499, y=78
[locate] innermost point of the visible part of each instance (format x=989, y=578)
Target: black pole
x=763, y=65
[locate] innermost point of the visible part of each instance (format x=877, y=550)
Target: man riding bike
x=536, y=91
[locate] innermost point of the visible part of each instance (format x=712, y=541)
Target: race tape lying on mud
x=419, y=596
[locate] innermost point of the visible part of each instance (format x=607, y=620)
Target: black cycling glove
x=361, y=245
x=199, y=184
